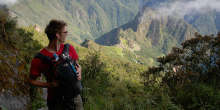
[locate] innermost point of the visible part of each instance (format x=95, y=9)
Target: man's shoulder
x=68, y=44
x=71, y=47
x=44, y=52
x=41, y=55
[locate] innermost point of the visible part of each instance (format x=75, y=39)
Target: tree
x=191, y=68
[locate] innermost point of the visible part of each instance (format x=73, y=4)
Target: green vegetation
x=87, y=19
x=205, y=23
x=190, y=74
x=17, y=48
x=152, y=38
x=111, y=84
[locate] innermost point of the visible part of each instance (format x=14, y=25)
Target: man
x=56, y=32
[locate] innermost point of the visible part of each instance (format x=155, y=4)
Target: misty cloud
x=182, y=8
x=7, y=2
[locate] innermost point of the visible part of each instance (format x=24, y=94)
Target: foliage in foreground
x=190, y=74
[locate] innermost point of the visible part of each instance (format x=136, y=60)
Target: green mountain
x=90, y=19
x=204, y=20
x=205, y=23
x=86, y=18
x=152, y=33
x=148, y=35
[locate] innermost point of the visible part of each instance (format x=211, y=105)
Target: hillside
x=86, y=18
x=16, y=50
x=189, y=74
x=101, y=73
x=205, y=23
x=90, y=19
x=156, y=28
x=202, y=16
x=149, y=35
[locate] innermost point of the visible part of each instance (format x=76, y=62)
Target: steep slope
x=86, y=18
x=149, y=35
x=202, y=16
x=16, y=50
x=101, y=72
x=205, y=23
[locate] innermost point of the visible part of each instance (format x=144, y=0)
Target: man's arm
x=35, y=72
x=38, y=83
x=79, y=70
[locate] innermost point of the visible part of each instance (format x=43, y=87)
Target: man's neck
x=53, y=46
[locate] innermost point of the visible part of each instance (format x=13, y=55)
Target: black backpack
x=65, y=73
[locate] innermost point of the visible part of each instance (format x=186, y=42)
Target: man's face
x=61, y=36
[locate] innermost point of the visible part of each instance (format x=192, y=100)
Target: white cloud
x=182, y=8
x=7, y=2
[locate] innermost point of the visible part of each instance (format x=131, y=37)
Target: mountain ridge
x=86, y=19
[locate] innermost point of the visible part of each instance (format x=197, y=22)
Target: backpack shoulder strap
x=44, y=59
x=66, y=49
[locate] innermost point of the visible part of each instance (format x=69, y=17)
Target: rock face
x=11, y=102
x=168, y=26
x=14, y=87
x=149, y=29
x=149, y=35
x=16, y=49
x=203, y=16
x=85, y=18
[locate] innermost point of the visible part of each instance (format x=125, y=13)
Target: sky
x=7, y=2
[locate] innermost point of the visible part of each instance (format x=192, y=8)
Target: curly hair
x=54, y=27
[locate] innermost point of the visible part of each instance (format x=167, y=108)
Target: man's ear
x=57, y=35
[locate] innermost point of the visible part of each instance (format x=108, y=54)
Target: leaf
x=21, y=67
